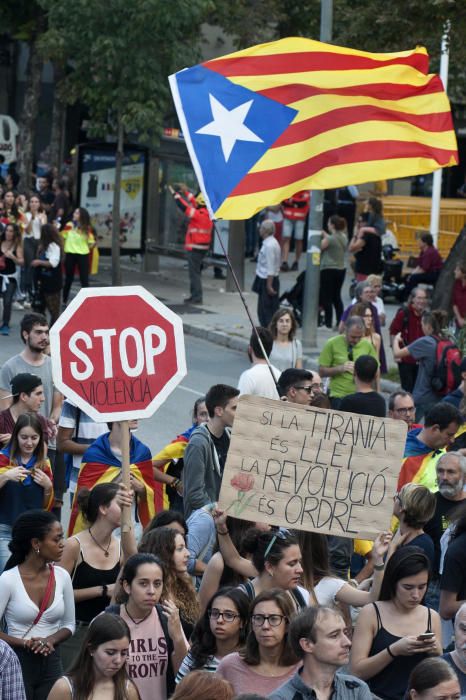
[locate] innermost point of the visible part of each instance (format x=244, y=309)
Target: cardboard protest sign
x=312, y=469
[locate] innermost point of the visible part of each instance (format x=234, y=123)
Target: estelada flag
x=100, y=466
x=296, y=114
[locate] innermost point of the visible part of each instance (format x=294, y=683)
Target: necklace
x=104, y=549
x=132, y=618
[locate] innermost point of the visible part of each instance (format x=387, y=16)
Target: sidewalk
x=222, y=318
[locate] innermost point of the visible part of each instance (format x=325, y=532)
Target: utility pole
x=437, y=178
x=312, y=278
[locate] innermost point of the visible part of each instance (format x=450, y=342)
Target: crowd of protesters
x=43, y=241
x=191, y=602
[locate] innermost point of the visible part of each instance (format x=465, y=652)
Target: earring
x=271, y=574
x=37, y=550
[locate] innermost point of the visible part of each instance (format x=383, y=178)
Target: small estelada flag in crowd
x=263, y=123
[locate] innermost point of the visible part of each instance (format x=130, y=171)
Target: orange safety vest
x=199, y=232
x=296, y=207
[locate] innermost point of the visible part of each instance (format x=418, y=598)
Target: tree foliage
x=120, y=55
x=378, y=26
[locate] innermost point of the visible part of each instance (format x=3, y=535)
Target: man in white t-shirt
x=267, y=283
x=258, y=379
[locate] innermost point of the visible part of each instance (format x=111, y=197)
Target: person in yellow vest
x=79, y=240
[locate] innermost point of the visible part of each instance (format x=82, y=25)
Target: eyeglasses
x=350, y=353
x=227, y=615
x=405, y=411
x=273, y=620
x=316, y=387
x=307, y=389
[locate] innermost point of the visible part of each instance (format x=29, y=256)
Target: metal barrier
x=412, y=214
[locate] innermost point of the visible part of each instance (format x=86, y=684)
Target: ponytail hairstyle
x=270, y=548
x=89, y=501
x=338, y=222
x=130, y=571
x=437, y=319
x=33, y=524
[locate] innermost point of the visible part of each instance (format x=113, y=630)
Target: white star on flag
x=229, y=125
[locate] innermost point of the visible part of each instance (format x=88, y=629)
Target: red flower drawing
x=242, y=482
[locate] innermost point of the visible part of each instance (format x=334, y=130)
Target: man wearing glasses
x=339, y=355
x=401, y=407
x=299, y=386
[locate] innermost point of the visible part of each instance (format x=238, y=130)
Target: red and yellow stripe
x=361, y=116
x=92, y=473
x=5, y=465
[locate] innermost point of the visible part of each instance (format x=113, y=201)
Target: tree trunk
x=58, y=120
x=116, y=267
x=444, y=286
x=29, y=112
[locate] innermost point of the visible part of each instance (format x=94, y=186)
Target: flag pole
x=316, y=216
x=437, y=178
x=245, y=304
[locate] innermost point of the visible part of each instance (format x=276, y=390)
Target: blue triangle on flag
x=224, y=161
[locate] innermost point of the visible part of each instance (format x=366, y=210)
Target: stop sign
x=117, y=352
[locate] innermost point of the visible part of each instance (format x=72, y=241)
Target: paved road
x=207, y=364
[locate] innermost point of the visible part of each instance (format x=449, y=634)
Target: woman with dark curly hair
x=268, y=660
x=169, y=545
x=220, y=631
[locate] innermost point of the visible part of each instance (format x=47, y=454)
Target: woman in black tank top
x=93, y=559
x=393, y=635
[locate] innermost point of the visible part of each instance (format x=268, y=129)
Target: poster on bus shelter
x=97, y=184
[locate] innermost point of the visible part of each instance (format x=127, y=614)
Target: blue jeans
x=5, y=538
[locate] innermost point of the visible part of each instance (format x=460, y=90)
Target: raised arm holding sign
x=312, y=469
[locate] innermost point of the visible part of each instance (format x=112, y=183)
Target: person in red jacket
x=198, y=239
x=295, y=211
x=407, y=321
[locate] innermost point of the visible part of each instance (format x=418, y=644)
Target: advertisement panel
x=96, y=187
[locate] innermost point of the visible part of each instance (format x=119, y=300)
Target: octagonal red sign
x=117, y=352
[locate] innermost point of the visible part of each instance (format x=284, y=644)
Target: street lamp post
x=312, y=278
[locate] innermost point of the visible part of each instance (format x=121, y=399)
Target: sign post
x=117, y=353
x=313, y=469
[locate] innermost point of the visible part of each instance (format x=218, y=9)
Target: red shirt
x=459, y=297
x=7, y=424
x=430, y=259
x=410, y=328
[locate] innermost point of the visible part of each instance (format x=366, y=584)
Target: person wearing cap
x=455, y=397
x=198, y=238
x=28, y=396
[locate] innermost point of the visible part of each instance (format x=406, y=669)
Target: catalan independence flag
x=295, y=114
x=418, y=465
x=100, y=466
x=25, y=497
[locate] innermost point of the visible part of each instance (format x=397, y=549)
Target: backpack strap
x=170, y=678
x=298, y=599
